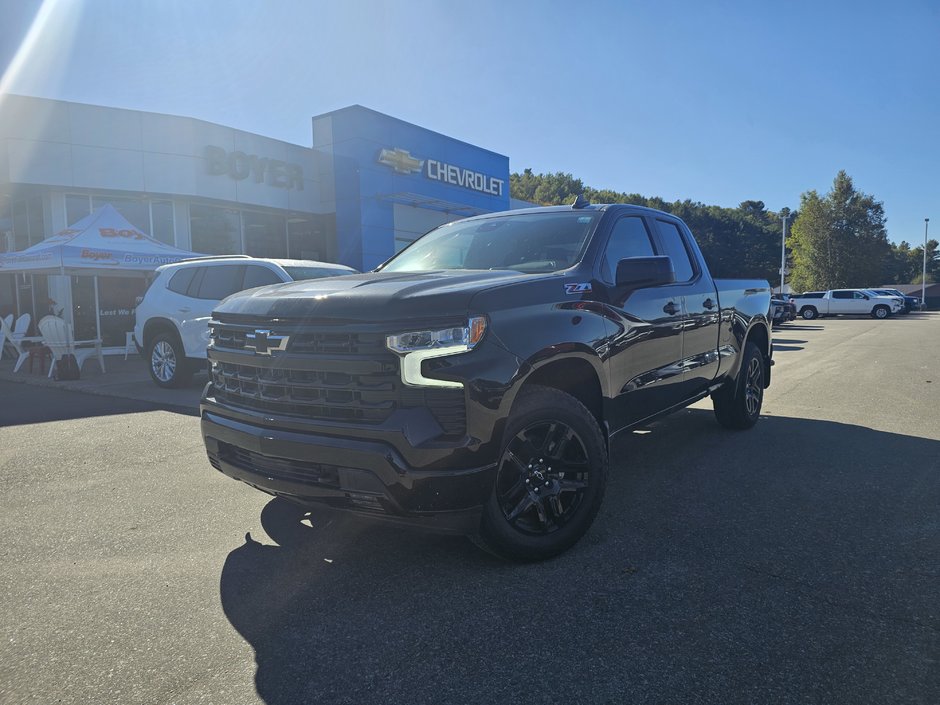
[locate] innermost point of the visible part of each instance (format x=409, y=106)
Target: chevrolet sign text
x=459, y=176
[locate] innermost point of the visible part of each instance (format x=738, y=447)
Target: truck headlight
x=417, y=346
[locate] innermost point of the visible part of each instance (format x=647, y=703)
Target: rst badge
x=582, y=288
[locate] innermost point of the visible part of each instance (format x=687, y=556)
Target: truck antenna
x=580, y=202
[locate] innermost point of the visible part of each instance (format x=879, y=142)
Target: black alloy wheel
x=737, y=406
x=542, y=477
x=550, y=477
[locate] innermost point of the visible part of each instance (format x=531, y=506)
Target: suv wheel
x=166, y=362
x=550, y=478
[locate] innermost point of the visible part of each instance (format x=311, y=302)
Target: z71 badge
x=578, y=288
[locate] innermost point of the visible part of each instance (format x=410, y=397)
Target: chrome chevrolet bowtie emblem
x=400, y=160
x=263, y=343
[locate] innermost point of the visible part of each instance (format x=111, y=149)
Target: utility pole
x=923, y=280
x=783, y=251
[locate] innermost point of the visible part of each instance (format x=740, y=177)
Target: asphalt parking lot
x=795, y=563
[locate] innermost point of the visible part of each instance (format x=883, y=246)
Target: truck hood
x=372, y=296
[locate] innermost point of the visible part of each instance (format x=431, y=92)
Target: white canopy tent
x=103, y=241
x=100, y=249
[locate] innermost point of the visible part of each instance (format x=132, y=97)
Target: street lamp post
x=783, y=251
x=923, y=276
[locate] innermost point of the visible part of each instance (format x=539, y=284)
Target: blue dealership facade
x=394, y=181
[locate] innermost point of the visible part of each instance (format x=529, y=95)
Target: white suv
x=172, y=326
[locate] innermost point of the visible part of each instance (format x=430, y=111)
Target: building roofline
x=357, y=107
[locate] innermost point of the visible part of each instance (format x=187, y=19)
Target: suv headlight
x=417, y=346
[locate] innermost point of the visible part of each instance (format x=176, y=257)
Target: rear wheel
x=809, y=313
x=738, y=406
x=550, y=478
x=880, y=311
x=167, y=362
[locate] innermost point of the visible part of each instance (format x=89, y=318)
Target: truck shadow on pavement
x=796, y=561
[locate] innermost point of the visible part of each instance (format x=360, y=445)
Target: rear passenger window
x=842, y=294
x=675, y=250
x=179, y=282
x=629, y=238
x=259, y=276
x=220, y=281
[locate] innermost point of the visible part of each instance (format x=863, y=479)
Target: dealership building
x=367, y=186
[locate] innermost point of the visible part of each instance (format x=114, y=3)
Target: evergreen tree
x=839, y=240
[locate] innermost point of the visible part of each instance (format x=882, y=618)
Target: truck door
x=843, y=301
x=646, y=338
x=701, y=316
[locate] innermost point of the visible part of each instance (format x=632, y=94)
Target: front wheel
x=738, y=405
x=550, y=478
x=168, y=365
x=880, y=311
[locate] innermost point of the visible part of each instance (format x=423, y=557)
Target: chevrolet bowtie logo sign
x=400, y=160
x=263, y=343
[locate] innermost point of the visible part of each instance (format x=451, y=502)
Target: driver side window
x=629, y=238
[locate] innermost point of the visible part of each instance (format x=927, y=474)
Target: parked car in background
x=172, y=320
x=846, y=302
x=910, y=302
x=781, y=311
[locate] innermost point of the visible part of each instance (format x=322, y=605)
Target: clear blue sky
x=714, y=101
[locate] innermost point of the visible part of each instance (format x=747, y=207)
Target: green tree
x=839, y=240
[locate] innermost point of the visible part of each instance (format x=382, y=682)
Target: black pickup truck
x=473, y=383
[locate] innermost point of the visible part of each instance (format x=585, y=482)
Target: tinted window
x=842, y=294
x=179, y=282
x=259, y=276
x=629, y=238
x=221, y=281
x=675, y=250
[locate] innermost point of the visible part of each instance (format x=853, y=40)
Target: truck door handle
x=708, y=303
x=671, y=309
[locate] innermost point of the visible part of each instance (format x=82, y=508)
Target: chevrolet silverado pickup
x=473, y=383
x=848, y=302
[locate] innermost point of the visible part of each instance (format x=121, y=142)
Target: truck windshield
x=527, y=242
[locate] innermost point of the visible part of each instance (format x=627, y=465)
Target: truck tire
x=880, y=311
x=167, y=362
x=737, y=406
x=809, y=313
x=550, y=478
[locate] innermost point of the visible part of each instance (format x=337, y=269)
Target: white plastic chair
x=22, y=325
x=3, y=333
x=57, y=336
x=17, y=343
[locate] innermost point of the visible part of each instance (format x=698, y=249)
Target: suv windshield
x=527, y=242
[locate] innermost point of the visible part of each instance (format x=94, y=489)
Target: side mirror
x=642, y=272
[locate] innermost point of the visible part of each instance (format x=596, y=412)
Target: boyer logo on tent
x=129, y=234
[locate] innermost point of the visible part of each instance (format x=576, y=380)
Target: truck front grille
x=328, y=375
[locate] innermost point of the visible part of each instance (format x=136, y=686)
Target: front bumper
x=370, y=477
